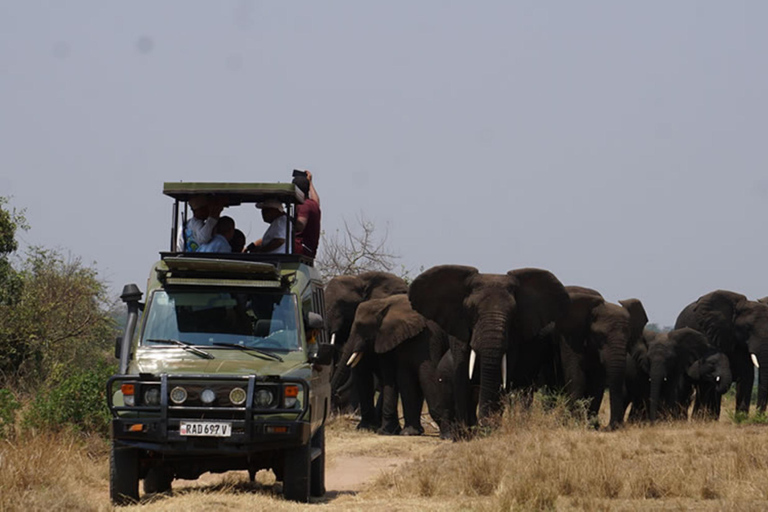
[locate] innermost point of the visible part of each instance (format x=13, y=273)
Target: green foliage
x=78, y=403
x=10, y=282
x=8, y=407
x=61, y=321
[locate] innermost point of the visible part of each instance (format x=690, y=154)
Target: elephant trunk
x=489, y=341
x=762, y=380
x=615, y=372
x=657, y=378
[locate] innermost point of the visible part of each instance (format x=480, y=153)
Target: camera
x=297, y=172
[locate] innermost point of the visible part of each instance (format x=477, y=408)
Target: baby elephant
x=674, y=365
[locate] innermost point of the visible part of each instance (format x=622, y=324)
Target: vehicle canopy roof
x=236, y=193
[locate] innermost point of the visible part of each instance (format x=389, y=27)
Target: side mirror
x=324, y=355
x=314, y=321
x=118, y=344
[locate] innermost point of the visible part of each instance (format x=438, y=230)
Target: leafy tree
x=59, y=323
x=11, y=221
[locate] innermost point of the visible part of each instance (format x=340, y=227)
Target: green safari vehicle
x=226, y=366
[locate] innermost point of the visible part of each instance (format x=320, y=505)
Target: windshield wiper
x=186, y=346
x=254, y=349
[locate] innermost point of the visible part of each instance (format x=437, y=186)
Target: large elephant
x=343, y=295
x=494, y=316
x=594, y=339
x=739, y=328
x=679, y=363
x=406, y=347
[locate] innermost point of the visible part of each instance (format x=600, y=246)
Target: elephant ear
x=399, y=323
x=578, y=318
x=541, y=299
x=716, y=312
x=378, y=285
x=439, y=293
x=637, y=319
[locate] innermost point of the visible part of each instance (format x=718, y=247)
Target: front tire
x=158, y=480
x=317, y=471
x=123, y=475
x=296, y=473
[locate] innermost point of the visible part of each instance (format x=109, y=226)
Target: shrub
x=8, y=407
x=77, y=403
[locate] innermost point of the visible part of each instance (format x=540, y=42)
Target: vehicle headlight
x=263, y=398
x=152, y=396
x=178, y=395
x=207, y=396
x=237, y=396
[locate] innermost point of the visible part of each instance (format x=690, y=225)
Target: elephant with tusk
x=738, y=327
x=496, y=317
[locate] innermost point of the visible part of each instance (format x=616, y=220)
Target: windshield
x=264, y=320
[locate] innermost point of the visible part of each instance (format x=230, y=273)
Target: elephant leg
x=390, y=422
x=412, y=398
x=574, y=373
x=363, y=376
x=744, y=375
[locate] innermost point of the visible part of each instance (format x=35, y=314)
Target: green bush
x=8, y=407
x=78, y=403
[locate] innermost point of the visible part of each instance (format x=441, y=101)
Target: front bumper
x=253, y=429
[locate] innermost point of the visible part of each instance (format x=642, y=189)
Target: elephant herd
x=460, y=339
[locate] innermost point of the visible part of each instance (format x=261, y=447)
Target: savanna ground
x=542, y=459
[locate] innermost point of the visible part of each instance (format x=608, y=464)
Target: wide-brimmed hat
x=271, y=203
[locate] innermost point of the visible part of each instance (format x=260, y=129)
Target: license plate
x=205, y=428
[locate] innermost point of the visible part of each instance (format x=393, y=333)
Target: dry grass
x=541, y=459
x=53, y=472
x=545, y=460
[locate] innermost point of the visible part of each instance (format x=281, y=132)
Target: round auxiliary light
x=237, y=396
x=207, y=396
x=178, y=395
x=263, y=398
x=152, y=396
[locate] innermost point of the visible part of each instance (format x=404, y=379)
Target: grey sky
x=618, y=144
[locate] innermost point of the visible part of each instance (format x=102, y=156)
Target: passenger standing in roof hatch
x=273, y=241
x=307, y=232
x=199, y=229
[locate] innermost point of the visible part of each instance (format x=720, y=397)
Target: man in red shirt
x=307, y=228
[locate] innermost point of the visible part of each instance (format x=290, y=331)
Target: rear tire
x=296, y=474
x=123, y=475
x=317, y=471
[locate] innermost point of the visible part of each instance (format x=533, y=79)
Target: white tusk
x=333, y=339
x=354, y=359
x=717, y=379
x=504, y=372
x=754, y=360
x=472, y=361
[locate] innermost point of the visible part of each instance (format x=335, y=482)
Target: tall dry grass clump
x=546, y=457
x=52, y=472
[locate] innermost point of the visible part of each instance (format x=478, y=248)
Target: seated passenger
x=273, y=241
x=238, y=241
x=199, y=229
x=225, y=230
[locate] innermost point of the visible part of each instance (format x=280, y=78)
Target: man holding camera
x=307, y=227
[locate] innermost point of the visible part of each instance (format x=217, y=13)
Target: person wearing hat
x=273, y=241
x=199, y=229
x=307, y=225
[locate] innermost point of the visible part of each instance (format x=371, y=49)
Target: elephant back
x=713, y=315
